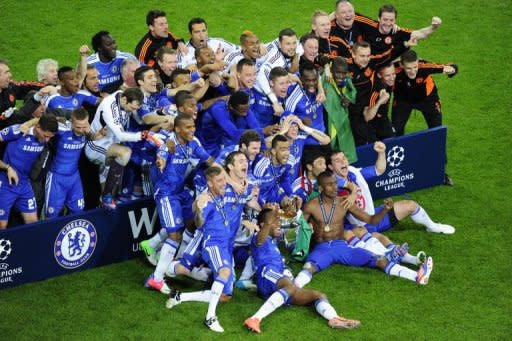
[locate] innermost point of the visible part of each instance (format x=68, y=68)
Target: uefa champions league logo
x=5, y=249
x=396, y=156
x=75, y=243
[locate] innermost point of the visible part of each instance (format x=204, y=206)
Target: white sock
x=410, y=259
x=248, y=270
x=166, y=256
x=196, y=296
x=398, y=270
x=303, y=278
x=374, y=245
x=216, y=291
x=186, y=238
x=171, y=271
x=324, y=308
x=421, y=217
x=156, y=241
x=200, y=274
x=272, y=303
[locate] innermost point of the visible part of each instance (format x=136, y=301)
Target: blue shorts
x=192, y=254
x=267, y=279
x=21, y=196
x=338, y=252
x=218, y=257
x=63, y=189
x=174, y=210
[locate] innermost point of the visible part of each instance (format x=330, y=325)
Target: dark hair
x=408, y=56
x=133, y=94
x=388, y=8
x=152, y=15
x=177, y=72
x=278, y=138
x=307, y=67
x=80, y=114
x=4, y=62
x=199, y=49
x=62, y=70
x=48, y=122
x=244, y=62
x=263, y=214
x=230, y=159
x=181, y=118
x=310, y=157
x=238, y=98
x=384, y=66
x=308, y=36
x=140, y=72
x=276, y=72
x=97, y=40
x=286, y=32
x=196, y=21
x=249, y=136
x=182, y=96
x=212, y=172
x=324, y=175
x=339, y=63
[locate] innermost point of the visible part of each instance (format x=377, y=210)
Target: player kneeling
x=277, y=288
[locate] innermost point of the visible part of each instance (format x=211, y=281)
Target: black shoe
x=447, y=180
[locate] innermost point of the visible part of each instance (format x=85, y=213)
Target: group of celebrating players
x=238, y=146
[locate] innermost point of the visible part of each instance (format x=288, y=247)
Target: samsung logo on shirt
x=73, y=146
x=109, y=80
x=33, y=148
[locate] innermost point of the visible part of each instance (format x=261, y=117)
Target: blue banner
x=413, y=162
x=98, y=237
x=73, y=243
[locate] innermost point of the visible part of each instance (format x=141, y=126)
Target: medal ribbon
x=220, y=207
x=327, y=220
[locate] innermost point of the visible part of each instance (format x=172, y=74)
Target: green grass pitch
x=469, y=296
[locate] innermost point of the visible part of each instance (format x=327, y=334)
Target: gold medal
x=327, y=228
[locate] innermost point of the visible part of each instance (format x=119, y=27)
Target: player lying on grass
x=326, y=214
x=275, y=286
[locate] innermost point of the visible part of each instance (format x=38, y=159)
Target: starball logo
x=396, y=177
x=7, y=273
